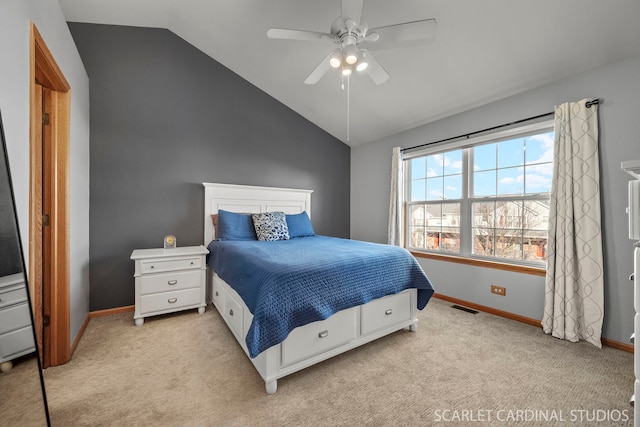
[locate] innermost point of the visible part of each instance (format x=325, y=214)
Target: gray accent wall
x=618, y=86
x=164, y=118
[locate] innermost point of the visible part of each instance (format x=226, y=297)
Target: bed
x=293, y=302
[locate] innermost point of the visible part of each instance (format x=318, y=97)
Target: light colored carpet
x=187, y=370
x=21, y=402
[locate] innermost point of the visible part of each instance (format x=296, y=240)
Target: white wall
x=618, y=86
x=15, y=18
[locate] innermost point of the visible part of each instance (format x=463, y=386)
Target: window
x=488, y=198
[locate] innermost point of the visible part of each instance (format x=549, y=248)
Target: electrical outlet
x=498, y=290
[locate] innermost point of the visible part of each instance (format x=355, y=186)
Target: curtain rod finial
x=588, y=104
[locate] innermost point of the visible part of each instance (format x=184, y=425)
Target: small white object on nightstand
x=169, y=280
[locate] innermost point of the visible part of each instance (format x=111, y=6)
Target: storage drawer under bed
x=386, y=312
x=318, y=337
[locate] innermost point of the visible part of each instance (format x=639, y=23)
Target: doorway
x=48, y=203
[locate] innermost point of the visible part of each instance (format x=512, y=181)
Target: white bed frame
x=312, y=343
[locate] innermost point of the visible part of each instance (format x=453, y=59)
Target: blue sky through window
x=513, y=167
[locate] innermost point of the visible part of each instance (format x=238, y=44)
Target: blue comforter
x=289, y=283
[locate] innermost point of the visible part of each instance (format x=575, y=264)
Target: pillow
x=234, y=226
x=299, y=225
x=214, y=220
x=271, y=226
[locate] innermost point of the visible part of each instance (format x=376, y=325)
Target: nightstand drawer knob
x=230, y=312
x=323, y=334
x=172, y=300
x=172, y=282
x=388, y=312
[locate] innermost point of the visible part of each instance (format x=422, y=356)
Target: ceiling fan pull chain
x=348, y=104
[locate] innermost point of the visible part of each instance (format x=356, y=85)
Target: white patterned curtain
x=395, y=235
x=574, y=287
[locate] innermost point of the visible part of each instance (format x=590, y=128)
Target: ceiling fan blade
x=375, y=70
x=407, y=34
x=319, y=71
x=352, y=9
x=282, y=33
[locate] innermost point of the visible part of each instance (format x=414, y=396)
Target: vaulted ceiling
x=484, y=50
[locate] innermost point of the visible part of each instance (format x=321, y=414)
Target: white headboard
x=250, y=199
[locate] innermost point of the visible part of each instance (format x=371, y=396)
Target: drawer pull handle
x=172, y=300
x=632, y=277
x=191, y=262
x=172, y=282
x=152, y=266
x=323, y=334
x=216, y=293
x=231, y=312
x=388, y=312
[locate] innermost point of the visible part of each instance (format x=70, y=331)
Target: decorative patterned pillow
x=271, y=226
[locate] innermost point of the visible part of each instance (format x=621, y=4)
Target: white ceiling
x=483, y=51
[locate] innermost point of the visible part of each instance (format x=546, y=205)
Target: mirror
x=22, y=394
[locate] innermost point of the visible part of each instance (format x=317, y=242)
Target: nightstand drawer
x=170, y=264
x=14, y=317
x=385, y=312
x=172, y=281
x=169, y=300
x=13, y=297
x=17, y=342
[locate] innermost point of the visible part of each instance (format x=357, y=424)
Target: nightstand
x=16, y=333
x=169, y=280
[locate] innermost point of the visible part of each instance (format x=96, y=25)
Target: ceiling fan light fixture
x=362, y=62
x=335, y=60
x=351, y=54
x=347, y=70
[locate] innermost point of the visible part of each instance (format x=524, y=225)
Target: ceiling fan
x=354, y=39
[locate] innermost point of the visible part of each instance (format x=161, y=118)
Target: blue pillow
x=299, y=225
x=235, y=226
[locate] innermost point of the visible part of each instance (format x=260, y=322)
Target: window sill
x=536, y=271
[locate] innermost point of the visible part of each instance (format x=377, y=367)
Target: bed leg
x=200, y=310
x=413, y=327
x=271, y=386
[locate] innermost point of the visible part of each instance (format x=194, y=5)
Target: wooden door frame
x=44, y=69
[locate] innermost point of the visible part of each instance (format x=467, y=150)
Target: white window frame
x=466, y=232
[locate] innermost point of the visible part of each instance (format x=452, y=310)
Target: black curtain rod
x=588, y=104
